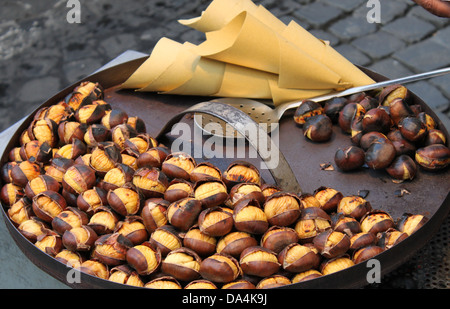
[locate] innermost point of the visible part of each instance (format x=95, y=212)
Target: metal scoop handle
x=402, y=80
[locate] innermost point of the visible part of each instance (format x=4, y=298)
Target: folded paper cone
x=250, y=53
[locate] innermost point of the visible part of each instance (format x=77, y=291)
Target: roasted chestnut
x=205, y=170
x=245, y=190
x=113, y=118
x=401, y=144
x=235, y=242
x=390, y=93
x=151, y=182
x=183, y=214
x=91, y=199
x=178, y=189
x=402, y=168
x=376, y=221
x=83, y=94
x=350, y=111
x=69, y=130
x=133, y=228
x=313, y=220
x=216, y=221
x=144, y=258
x=125, y=200
x=210, y=192
x=89, y=114
x=354, y=206
x=79, y=238
x=104, y=157
x=349, y=158
x=78, y=178
x=48, y=204
x=376, y=119
x=331, y=243
x=200, y=242
x=306, y=110
x=273, y=281
x=380, y=154
x=282, y=208
x=153, y=157
x=183, y=264
x=259, y=261
x=96, y=133
x=390, y=238
x=298, y=258
x=36, y=151
x=330, y=266
x=328, y=198
x=220, y=268
x=153, y=213
x=318, y=128
x=68, y=219
x=333, y=106
x=433, y=157
x=410, y=223
x=276, y=238
x=178, y=165
x=249, y=217
x=435, y=136
x=164, y=282
x=104, y=220
x=166, y=238
x=111, y=249
x=399, y=109
x=241, y=171
x=23, y=172
x=413, y=129
x=366, y=253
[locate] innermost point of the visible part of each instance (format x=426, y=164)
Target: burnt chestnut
x=318, y=128
x=376, y=119
x=89, y=114
x=427, y=120
x=345, y=224
x=91, y=199
x=333, y=106
x=133, y=228
x=413, y=129
x=362, y=239
x=402, y=168
x=205, y=170
x=36, y=151
x=401, y=144
x=113, y=118
x=433, y=157
x=368, y=138
x=349, y=158
x=350, y=111
x=79, y=238
x=380, y=154
x=70, y=218
x=125, y=200
x=83, y=94
x=306, y=110
x=68, y=130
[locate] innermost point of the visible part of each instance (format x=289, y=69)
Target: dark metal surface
x=429, y=192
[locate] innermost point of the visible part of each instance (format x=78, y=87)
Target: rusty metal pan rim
x=352, y=277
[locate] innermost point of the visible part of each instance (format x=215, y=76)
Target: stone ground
x=41, y=53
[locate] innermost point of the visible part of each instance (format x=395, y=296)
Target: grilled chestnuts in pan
x=88, y=185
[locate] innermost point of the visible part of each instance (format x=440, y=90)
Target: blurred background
x=42, y=53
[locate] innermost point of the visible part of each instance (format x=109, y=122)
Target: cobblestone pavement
x=41, y=52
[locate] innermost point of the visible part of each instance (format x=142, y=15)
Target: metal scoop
x=268, y=117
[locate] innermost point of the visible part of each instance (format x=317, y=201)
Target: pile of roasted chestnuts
x=89, y=187
x=387, y=132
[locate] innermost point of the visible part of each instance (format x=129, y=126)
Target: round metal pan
x=429, y=192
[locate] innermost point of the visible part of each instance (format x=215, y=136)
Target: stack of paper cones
x=249, y=53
